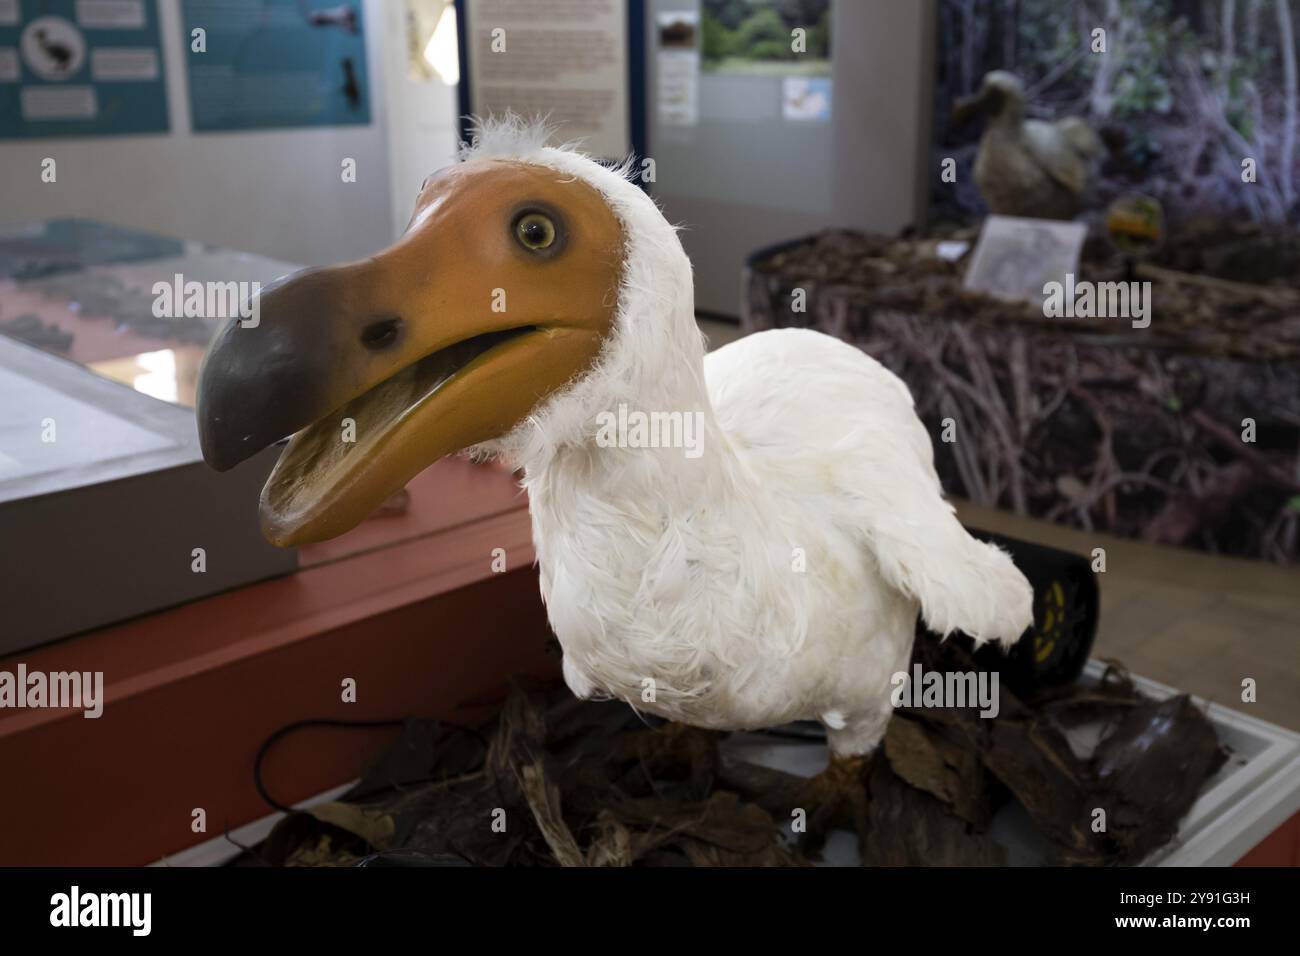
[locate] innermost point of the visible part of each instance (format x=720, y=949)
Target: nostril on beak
x=381, y=334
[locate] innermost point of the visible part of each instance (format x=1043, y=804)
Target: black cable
x=297, y=725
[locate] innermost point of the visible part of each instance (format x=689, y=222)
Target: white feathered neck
x=652, y=361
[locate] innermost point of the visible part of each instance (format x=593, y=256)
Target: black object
x=58, y=52
x=351, y=88
x=1066, y=613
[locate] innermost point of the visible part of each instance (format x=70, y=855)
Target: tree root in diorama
x=1082, y=421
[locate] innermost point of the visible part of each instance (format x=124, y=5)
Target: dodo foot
x=835, y=797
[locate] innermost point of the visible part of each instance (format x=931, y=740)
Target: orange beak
x=382, y=367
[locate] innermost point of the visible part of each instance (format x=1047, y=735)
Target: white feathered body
x=783, y=584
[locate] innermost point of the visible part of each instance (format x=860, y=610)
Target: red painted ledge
x=422, y=625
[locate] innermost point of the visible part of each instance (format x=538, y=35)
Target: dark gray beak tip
x=259, y=383
x=217, y=455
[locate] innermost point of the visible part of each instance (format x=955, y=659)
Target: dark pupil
x=534, y=232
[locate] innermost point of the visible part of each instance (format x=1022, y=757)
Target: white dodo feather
x=776, y=576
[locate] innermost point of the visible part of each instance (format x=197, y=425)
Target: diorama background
x=1186, y=91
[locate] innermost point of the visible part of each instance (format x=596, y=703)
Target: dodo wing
x=1055, y=147
x=819, y=412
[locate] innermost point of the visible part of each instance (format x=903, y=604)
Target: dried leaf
x=942, y=769
x=373, y=826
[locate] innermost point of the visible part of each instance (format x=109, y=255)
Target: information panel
x=80, y=68
x=266, y=64
x=567, y=60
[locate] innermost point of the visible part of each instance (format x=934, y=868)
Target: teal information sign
x=80, y=68
x=266, y=64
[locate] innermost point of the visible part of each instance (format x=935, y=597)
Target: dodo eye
x=535, y=231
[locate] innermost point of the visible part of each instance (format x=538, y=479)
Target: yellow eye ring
x=535, y=231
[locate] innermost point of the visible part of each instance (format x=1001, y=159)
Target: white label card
x=1015, y=258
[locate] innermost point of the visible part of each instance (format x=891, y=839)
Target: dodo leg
x=838, y=795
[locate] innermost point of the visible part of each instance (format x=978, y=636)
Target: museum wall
x=214, y=187
x=864, y=169
x=422, y=133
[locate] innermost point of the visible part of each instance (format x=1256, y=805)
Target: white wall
x=422, y=119
x=742, y=184
x=278, y=193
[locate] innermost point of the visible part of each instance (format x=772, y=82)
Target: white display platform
x=1255, y=791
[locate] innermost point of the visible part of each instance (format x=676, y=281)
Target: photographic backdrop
x=1186, y=90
